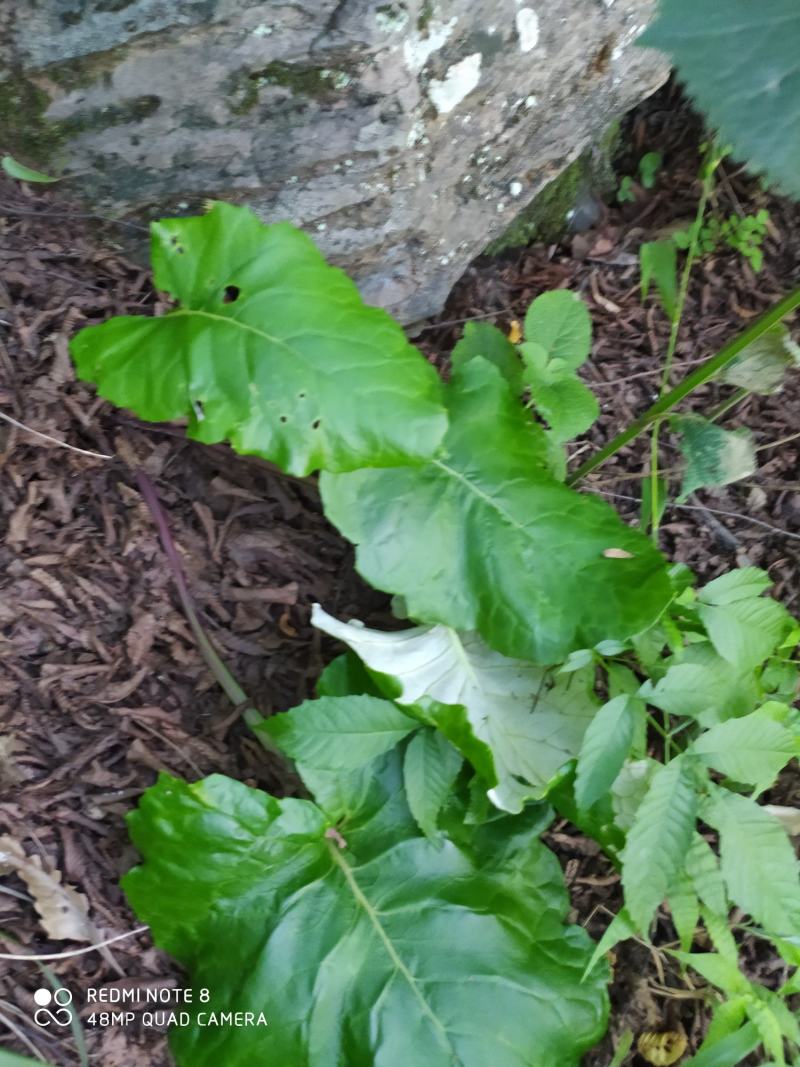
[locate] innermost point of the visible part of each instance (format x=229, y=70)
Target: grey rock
x=403, y=136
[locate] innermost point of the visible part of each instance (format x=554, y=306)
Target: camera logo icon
x=53, y=1008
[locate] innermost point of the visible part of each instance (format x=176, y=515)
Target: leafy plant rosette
x=406, y=909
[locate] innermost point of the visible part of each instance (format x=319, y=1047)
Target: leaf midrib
x=372, y=915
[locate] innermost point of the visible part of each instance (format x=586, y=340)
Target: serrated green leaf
x=657, y=843
x=619, y=929
x=430, y=767
x=270, y=348
x=684, y=908
x=729, y=1051
x=417, y=530
x=720, y=933
x=727, y=1018
x=389, y=950
x=762, y=365
x=758, y=862
x=703, y=685
x=743, y=583
x=752, y=749
x=702, y=866
x=658, y=262
x=768, y=1030
x=338, y=733
x=559, y=321
x=713, y=456
x=630, y=788
x=605, y=746
x=483, y=339
x=739, y=62
x=17, y=170
x=532, y=720
x=745, y=632
x=717, y=969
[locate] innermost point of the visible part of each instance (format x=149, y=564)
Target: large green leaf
x=739, y=62
x=759, y=866
x=270, y=348
x=483, y=538
x=368, y=946
x=656, y=847
x=532, y=722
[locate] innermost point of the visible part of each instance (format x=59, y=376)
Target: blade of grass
x=703, y=374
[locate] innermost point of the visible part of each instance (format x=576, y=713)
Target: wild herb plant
x=405, y=910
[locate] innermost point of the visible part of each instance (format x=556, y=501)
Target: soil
x=101, y=684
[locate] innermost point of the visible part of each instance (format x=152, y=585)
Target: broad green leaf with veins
x=532, y=720
x=739, y=62
x=270, y=348
x=368, y=947
x=483, y=538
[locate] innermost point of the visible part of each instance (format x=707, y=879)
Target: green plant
x=649, y=166
x=549, y=636
x=743, y=233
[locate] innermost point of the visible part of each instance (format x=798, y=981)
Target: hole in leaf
x=283, y=418
x=301, y=396
x=316, y=424
x=231, y=294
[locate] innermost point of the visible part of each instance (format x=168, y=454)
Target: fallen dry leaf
x=662, y=1049
x=64, y=911
x=515, y=332
x=617, y=553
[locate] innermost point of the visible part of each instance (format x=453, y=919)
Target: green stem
x=726, y=405
x=700, y=376
x=222, y=675
x=675, y=325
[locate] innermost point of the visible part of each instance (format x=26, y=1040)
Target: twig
x=21, y=1035
x=21, y=213
x=74, y=951
x=53, y=440
x=714, y=511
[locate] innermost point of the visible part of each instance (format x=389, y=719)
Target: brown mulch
x=101, y=684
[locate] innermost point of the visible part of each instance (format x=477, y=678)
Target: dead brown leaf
x=64, y=911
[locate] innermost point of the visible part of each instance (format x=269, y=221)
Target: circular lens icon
x=42, y=997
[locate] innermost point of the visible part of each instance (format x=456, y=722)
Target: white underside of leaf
x=532, y=722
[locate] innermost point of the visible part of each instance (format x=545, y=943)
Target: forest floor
x=101, y=684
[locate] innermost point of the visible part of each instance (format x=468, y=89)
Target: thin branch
x=714, y=511
x=53, y=440
x=74, y=951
